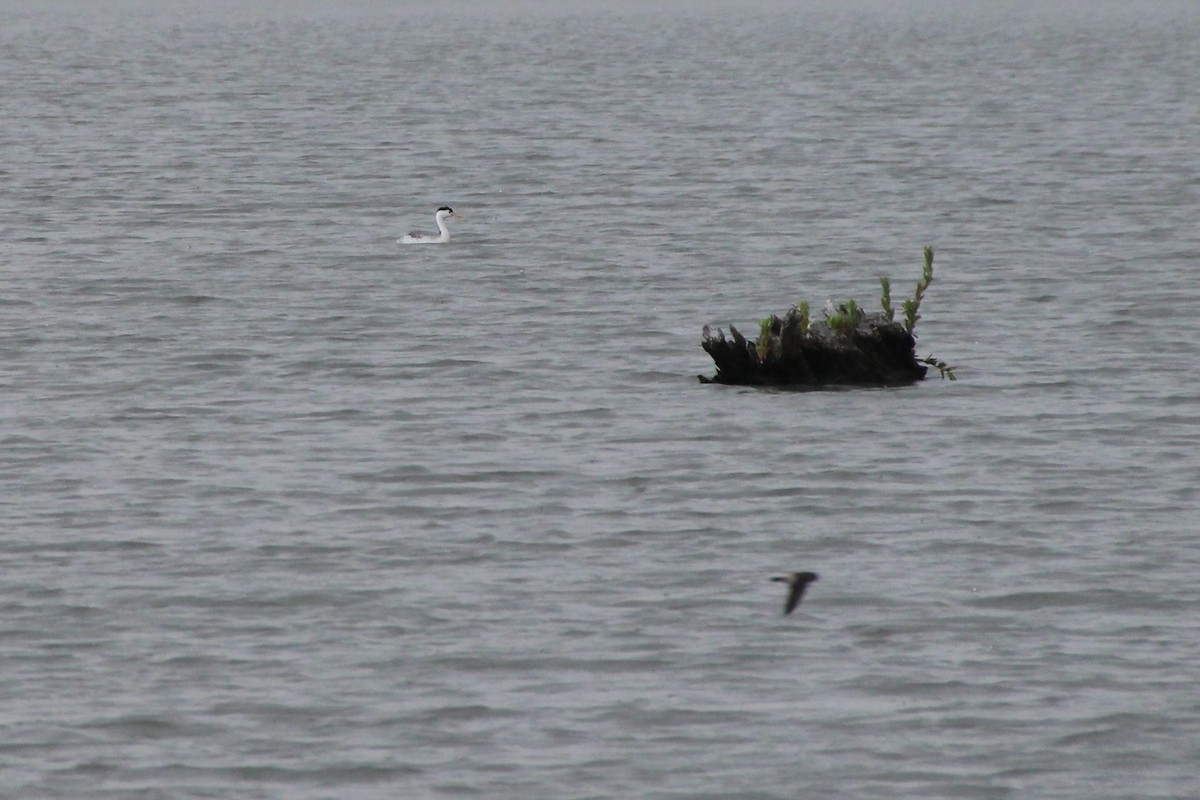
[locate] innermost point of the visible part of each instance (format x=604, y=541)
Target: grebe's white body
x=443, y=234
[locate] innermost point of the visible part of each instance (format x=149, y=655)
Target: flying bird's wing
x=797, y=582
x=795, y=592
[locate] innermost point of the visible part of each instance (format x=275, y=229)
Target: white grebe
x=443, y=234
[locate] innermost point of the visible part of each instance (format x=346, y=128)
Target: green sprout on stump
x=945, y=369
x=802, y=310
x=763, y=346
x=845, y=319
x=910, y=306
x=886, y=300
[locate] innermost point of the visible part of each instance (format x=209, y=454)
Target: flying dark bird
x=797, y=582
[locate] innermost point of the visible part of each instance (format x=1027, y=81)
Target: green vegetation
x=845, y=319
x=910, y=306
x=763, y=345
x=802, y=316
x=846, y=346
x=942, y=367
x=886, y=284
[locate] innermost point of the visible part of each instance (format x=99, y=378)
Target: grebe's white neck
x=443, y=231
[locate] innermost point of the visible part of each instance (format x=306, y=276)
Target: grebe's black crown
x=446, y=208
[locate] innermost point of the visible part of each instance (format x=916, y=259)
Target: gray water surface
x=290, y=510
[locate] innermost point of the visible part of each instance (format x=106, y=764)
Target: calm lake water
x=290, y=510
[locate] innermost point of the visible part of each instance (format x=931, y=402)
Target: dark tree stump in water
x=876, y=351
